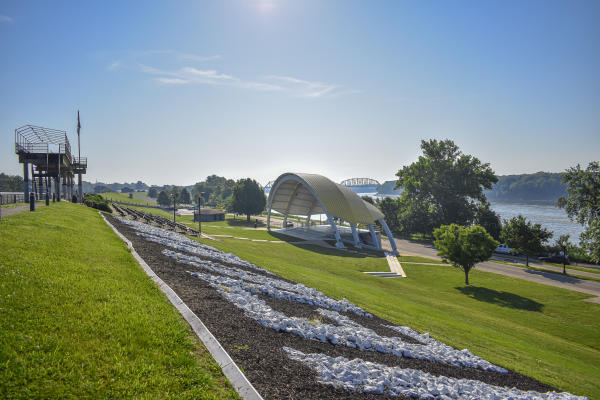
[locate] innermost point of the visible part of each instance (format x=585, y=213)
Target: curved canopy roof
x=310, y=194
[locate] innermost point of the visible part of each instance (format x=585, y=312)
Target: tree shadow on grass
x=504, y=299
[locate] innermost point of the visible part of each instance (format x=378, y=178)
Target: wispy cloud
x=194, y=57
x=183, y=72
x=209, y=75
x=172, y=81
x=310, y=89
x=5, y=18
x=113, y=65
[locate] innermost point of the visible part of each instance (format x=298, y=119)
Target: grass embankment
x=138, y=198
x=80, y=319
x=541, y=331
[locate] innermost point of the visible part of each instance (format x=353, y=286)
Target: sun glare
x=266, y=6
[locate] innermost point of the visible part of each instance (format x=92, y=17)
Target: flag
x=78, y=124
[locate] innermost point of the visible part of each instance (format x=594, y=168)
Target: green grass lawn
x=541, y=331
x=138, y=197
x=80, y=319
x=417, y=259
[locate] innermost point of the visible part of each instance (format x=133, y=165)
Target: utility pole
x=201, y=196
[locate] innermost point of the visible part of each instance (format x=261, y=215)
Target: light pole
x=200, y=196
x=174, y=208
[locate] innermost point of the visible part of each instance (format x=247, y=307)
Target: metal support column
x=376, y=242
x=355, y=236
x=389, y=235
x=26, y=182
x=57, y=182
x=338, y=238
x=80, y=188
x=40, y=186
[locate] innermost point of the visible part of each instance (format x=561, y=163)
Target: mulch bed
x=257, y=350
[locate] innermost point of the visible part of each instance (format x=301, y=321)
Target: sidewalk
x=6, y=211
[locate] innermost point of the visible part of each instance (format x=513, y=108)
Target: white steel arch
x=311, y=194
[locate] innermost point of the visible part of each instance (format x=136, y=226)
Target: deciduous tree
x=185, y=197
x=444, y=186
x=583, y=204
x=489, y=219
x=248, y=198
x=524, y=237
x=163, y=198
x=464, y=247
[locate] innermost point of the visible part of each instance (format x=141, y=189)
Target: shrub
x=96, y=201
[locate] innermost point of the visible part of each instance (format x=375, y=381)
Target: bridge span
x=360, y=182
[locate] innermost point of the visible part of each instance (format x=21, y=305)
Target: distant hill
x=387, y=187
x=541, y=186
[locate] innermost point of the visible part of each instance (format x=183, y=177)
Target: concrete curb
x=230, y=369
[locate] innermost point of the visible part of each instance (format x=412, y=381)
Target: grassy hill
x=80, y=319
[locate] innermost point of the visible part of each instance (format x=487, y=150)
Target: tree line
x=444, y=198
x=244, y=196
x=540, y=186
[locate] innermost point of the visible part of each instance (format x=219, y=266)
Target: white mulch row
x=241, y=287
x=180, y=242
x=272, y=287
x=364, y=376
x=348, y=333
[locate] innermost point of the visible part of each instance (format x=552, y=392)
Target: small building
x=209, y=215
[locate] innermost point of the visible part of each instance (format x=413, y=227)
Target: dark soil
x=258, y=350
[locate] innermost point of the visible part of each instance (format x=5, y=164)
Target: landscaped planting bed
x=292, y=341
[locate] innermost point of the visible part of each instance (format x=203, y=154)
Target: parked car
x=288, y=224
x=557, y=259
x=503, y=249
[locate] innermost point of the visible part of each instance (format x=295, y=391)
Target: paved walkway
x=406, y=247
x=6, y=211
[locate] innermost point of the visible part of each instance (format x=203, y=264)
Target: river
x=548, y=215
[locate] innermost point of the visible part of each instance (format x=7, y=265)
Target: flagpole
x=79, y=183
x=78, y=141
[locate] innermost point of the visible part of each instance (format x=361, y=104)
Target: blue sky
x=170, y=92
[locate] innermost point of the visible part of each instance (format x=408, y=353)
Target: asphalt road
x=406, y=247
